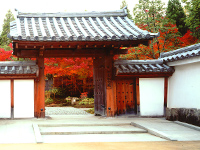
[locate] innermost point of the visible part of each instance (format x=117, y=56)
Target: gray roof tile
x=182, y=53
x=85, y=26
x=142, y=66
x=18, y=67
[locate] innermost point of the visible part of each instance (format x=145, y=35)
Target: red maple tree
x=80, y=67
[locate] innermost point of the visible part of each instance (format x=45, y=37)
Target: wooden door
x=125, y=97
x=99, y=91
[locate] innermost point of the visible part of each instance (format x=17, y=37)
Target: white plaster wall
x=23, y=98
x=5, y=99
x=151, y=96
x=184, y=87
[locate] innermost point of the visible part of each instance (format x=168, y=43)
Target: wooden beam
x=16, y=46
x=65, y=44
x=26, y=76
x=48, y=53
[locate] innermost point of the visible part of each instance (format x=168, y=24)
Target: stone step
x=74, y=130
x=81, y=138
x=82, y=124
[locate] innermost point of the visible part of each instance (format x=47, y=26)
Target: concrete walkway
x=97, y=129
x=169, y=130
x=106, y=146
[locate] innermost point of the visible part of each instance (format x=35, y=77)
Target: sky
x=62, y=5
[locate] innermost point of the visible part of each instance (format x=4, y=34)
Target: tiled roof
x=85, y=26
x=141, y=66
x=18, y=67
x=182, y=53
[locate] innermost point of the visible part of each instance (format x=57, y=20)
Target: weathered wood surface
x=137, y=91
x=40, y=90
x=125, y=96
x=109, y=88
x=99, y=84
x=67, y=53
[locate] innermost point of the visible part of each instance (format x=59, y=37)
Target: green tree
x=193, y=18
x=4, y=40
x=176, y=15
x=149, y=13
x=124, y=4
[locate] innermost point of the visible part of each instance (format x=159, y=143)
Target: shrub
x=91, y=111
x=48, y=101
x=86, y=101
x=84, y=95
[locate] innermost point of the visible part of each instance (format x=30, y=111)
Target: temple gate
x=89, y=34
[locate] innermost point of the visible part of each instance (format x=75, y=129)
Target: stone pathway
x=64, y=111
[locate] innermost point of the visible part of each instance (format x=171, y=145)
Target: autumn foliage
x=5, y=55
x=168, y=40
x=79, y=67
x=188, y=39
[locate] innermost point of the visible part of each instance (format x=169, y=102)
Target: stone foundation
x=188, y=115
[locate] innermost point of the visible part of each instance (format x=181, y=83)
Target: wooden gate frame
x=51, y=35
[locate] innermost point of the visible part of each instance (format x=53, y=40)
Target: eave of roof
x=85, y=26
x=181, y=54
x=142, y=67
x=18, y=67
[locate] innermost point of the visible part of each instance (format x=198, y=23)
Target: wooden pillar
x=165, y=91
x=40, y=89
x=137, y=93
x=110, y=90
x=12, y=93
x=99, y=85
x=104, y=86
x=35, y=97
x=12, y=98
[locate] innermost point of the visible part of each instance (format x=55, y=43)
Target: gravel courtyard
x=65, y=111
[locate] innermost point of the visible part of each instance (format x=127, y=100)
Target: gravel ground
x=64, y=111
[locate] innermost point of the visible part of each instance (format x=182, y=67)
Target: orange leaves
x=188, y=39
x=81, y=67
x=5, y=55
x=168, y=40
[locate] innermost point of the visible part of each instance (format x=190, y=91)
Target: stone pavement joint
x=78, y=129
x=188, y=125
x=37, y=133
x=68, y=125
x=22, y=131
x=153, y=132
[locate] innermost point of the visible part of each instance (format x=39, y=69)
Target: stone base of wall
x=188, y=115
